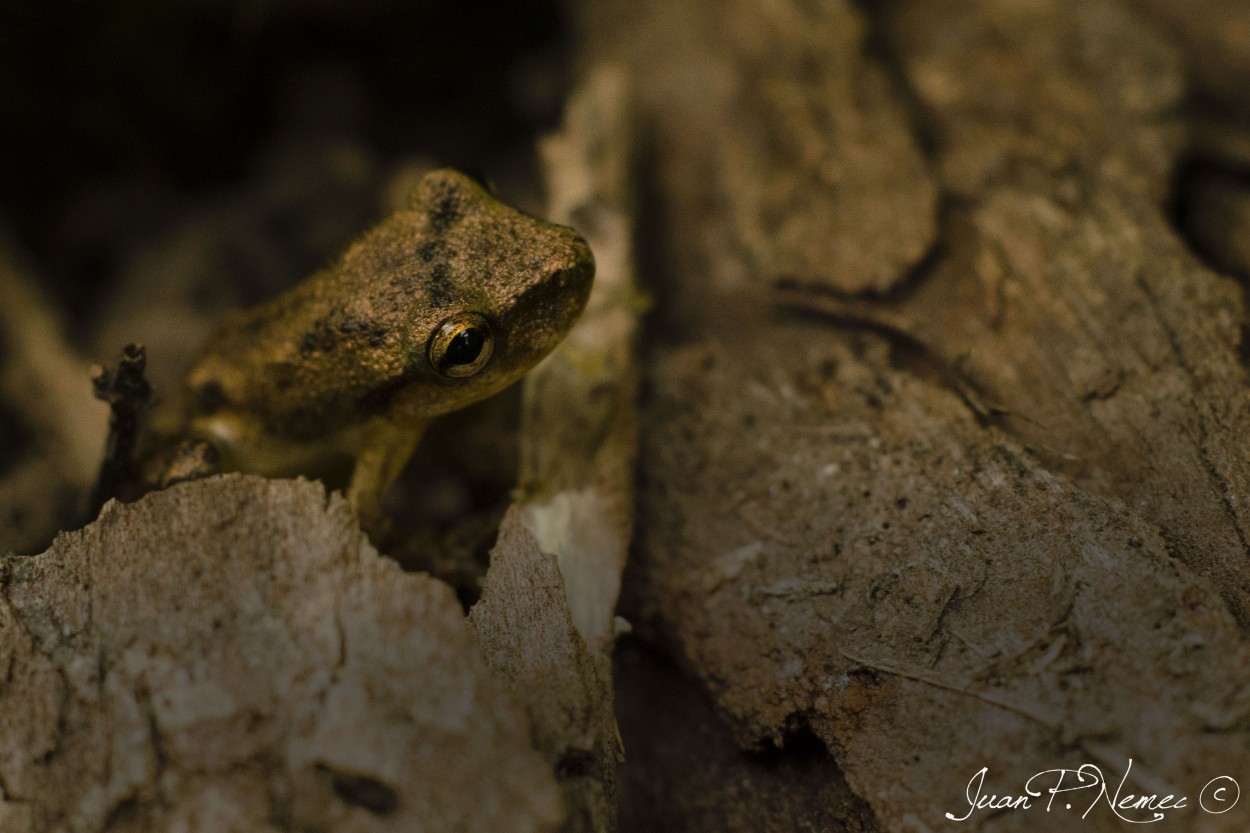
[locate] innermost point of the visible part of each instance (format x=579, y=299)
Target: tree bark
x=974, y=495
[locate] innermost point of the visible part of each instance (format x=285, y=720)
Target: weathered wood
x=232, y=654
x=1066, y=295
x=525, y=630
x=943, y=462
x=996, y=517
x=546, y=621
x=807, y=152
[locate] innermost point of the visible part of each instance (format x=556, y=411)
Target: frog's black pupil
x=465, y=346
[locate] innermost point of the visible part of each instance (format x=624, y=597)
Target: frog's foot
x=382, y=457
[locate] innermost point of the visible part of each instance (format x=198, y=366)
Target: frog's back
x=304, y=364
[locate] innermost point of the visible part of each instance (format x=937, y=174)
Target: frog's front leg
x=384, y=450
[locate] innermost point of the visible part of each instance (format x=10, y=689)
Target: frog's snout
x=555, y=299
x=577, y=278
x=569, y=290
x=565, y=284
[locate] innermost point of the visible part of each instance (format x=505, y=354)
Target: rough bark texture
x=942, y=466
x=806, y=151
x=546, y=621
x=816, y=158
x=996, y=517
x=1152, y=411
x=232, y=654
x=525, y=630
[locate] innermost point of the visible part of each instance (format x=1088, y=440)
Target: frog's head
x=499, y=290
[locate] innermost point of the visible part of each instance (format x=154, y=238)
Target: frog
x=447, y=301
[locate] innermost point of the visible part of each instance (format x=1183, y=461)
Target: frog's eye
x=461, y=345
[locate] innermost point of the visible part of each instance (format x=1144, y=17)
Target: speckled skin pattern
x=339, y=363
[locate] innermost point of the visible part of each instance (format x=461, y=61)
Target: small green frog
x=444, y=303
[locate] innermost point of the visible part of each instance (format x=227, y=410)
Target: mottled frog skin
x=445, y=302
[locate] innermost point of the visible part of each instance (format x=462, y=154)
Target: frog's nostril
x=569, y=279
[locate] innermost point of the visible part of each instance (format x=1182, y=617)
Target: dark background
x=116, y=114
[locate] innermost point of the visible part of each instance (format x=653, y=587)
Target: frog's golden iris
x=461, y=346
